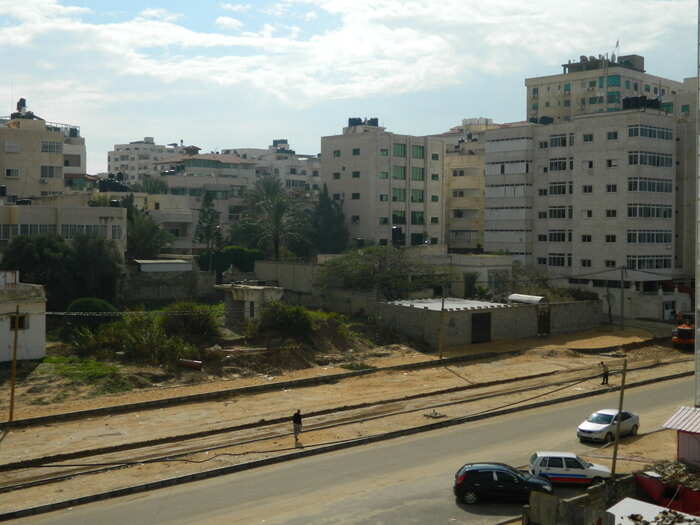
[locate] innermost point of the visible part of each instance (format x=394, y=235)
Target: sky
x=228, y=74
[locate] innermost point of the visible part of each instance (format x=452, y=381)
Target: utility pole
x=697, y=181
x=622, y=297
x=13, y=374
x=619, y=416
x=441, y=329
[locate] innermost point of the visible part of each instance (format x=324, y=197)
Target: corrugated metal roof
x=686, y=419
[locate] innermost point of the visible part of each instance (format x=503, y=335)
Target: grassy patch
x=83, y=371
x=357, y=366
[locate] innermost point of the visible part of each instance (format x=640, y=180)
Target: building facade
x=30, y=324
x=141, y=158
x=36, y=154
x=391, y=186
x=300, y=174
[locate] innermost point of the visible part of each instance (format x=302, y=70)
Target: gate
x=481, y=327
x=543, y=321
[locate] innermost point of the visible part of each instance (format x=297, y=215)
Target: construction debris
x=675, y=473
x=665, y=517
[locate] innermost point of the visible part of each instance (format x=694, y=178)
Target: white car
x=600, y=425
x=566, y=467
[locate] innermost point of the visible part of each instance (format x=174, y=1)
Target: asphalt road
x=406, y=480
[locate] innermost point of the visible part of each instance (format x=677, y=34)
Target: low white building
x=31, y=322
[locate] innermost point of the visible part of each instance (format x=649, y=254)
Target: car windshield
x=585, y=463
x=600, y=418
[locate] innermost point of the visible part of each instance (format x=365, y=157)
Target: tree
x=151, y=186
x=96, y=264
x=331, y=232
x=145, y=239
x=208, y=229
x=392, y=272
x=271, y=219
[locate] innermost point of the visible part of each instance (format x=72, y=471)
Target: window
x=588, y=214
x=541, y=260
x=383, y=220
x=655, y=211
x=12, y=172
x=458, y=214
x=535, y=91
x=399, y=150
x=587, y=188
x=542, y=215
x=336, y=153
x=418, y=152
x=556, y=259
x=610, y=263
x=587, y=164
x=557, y=212
x=611, y=188
x=542, y=238
x=383, y=197
x=567, y=103
x=557, y=164
x=588, y=137
x=383, y=175
x=647, y=184
x=417, y=195
x=336, y=196
x=612, y=135
x=383, y=152
x=613, y=97
x=556, y=236
x=586, y=238
x=434, y=220
x=435, y=176
x=398, y=217
x=51, y=147
x=51, y=171
x=649, y=236
x=398, y=195
x=336, y=176
x=611, y=213
x=398, y=172
x=542, y=192
x=417, y=173
x=355, y=151
x=417, y=217
x=458, y=173
x=19, y=322
x=355, y=219
x=610, y=238
x=557, y=141
x=435, y=156
x=586, y=263
x=434, y=198
x=611, y=163
x=573, y=462
x=355, y=174
x=648, y=262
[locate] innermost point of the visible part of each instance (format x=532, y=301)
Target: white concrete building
x=142, y=157
x=391, y=186
x=31, y=322
x=299, y=173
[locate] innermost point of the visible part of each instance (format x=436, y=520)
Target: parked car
x=482, y=481
x=566, y=467
x=600, y=425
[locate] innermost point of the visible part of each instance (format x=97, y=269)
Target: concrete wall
x=295, y=277
x=574, y=316
x=166, y=286
x=31, y=339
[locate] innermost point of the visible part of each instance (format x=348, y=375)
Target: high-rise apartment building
x=390, y=185
x=36, y=154
x=299, y=173
x=142, y=157
x=597, y=192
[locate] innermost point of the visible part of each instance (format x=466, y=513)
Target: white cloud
x=311, y=15
x=228, y=22
x=160, y=14
x=236, y=8
x=373, y=46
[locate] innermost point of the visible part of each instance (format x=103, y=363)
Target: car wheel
x=609, y=437
x=469, y=497
x=634, y=430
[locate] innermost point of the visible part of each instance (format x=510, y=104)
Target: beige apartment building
x=596, y=85
x=36, y=154
x=300, y=174
x=390, y=186
x=596, y=197
x=142, y=157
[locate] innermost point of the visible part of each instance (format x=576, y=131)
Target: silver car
x=600, y=425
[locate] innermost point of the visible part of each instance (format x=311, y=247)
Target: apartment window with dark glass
x=610, y=264
x=458, y=173
x=417, y=217
x=418, y=152
x=336, y=176
x=355, y=151
x=434, y=198
x=611, y=213
x=542, y=238
x=587, y=188
x=383, y=175
x=355, y=174
x=585, y=263
x=612, y=135
x=383, y=197
x=336, y=153
x=383, y=220
x=417, y=174
x=399, y=150
x=435, y=156
x=611, y=188
x=19, y=322
x=557, y=141
x=610, y=238
x=541, y=260
x=588, y=137
x=384, y=152
x=398, y=172
x=434, y=220
x=586, y=238
x=398, y=217
x=435, y=176
x=417, y=195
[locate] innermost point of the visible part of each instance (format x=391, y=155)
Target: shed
x=529, y=299
x=163, y=265
x=686, y=422
x=622, y=511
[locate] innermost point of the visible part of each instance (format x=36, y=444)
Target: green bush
x=192, y=322
x=86, y=304
x=285, y=321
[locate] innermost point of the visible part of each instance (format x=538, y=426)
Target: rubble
x=665, y=517
x=675, y=473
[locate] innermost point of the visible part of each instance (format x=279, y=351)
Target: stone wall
x=296, y=277
x=166, y=286
x=574, y=316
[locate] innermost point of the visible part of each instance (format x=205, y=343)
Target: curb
x=263, y=422
x=313, y=452
x=254, y=389
x=628, y=346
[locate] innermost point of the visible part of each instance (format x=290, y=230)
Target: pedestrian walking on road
x=296, y=422
x=606, y=373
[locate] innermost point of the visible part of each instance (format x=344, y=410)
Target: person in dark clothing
x=606, y=373
x=296, y=422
